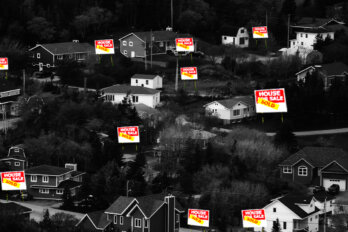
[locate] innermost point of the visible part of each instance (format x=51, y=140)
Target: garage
x=327, y=182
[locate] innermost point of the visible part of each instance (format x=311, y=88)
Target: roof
x=66, y=48
x=144, y=76
x=13, y=208
x=318, y=156
x=98, y=219
x=320, y=196
x=47, y=170
x=303, y=70
x=16, y=152
x=229, y=103
x=145, y=111
x=76, y=173
x=316, y=22
x=313, y=30
x=291, y=202
x=124, y=89
x=148, y=204
x=158, y=35
x=334, y=69
x=69, y=184
x=201, y=134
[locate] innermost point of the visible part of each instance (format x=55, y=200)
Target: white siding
x=155, y=83
x=149, y=99
x=219, y=111
x=236, y=40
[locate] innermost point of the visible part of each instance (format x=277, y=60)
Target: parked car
x=334, y=189
x=318, y=189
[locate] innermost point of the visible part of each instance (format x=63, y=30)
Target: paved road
x=38, y=210
x=317, y=132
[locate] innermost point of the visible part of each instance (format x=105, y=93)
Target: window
x=236, y=112
x=59, y=57
x=121, y=220
x=136, y=81
x=115, y=219
x=130, y=44
x=284, y=225
x=45, y=179
x=242, y=31
x=48, y=65
x=59, y=191
x=302, y=171
x=274, y=210
x=8, y=163
x=147, y=82
x=146, y=223
x=135, y=99
x=241, y=41
x=306, y=35
x=38, y=55
x=125, y=52
x=44, y=191
x=33, y=178
x=301, y=34
x=293, y=43
x=177, y=218
x=161, y=44
x=137, y=222
x=81, y=56
x=287, y=169
x=310, y=219
x=17, y=164
x=225, y=37
x=316, y=216
x=301, y=43
x=124, y=43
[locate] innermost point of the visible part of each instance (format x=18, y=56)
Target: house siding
x=227, y=114
x=138, y=46
x=86, y=225
x=136, y=214
x=12, y=164
x=283, y=214
x=155, y=83
x=303, y=179
x=46, y=58
x=157, y=220
x=52, y=181
x=149, y=100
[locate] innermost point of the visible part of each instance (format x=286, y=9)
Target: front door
x=132, y=53
x=40, y=67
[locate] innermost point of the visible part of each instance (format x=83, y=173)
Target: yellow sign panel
x=10, y=182
x=126, y=136
x=268, y=103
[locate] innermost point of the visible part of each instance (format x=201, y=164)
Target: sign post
x=189, y=73
x=198, y=217
x=105, y=47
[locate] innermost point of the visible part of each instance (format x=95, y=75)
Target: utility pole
x=287, y=45
x=171, y=13
x=145, y=56
x=325, y=215
x=151, y=44
x=176, y=74
x=266, y=19
x=23, y=82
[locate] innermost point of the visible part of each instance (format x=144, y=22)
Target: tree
x=289, y=7
x=41, y=29
x=64, y=222
x=285, y=137
x=68, y=202
x=276, y=226
x=46, y=222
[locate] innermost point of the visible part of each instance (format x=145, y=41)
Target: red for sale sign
x=13, y=181
x=3, y=63
x=184, y=45
x=260, y=32
x=104, y=46
x=270, y=101
x=189, y=73
x=254, y=218
x=129, y=134
x=198, y=217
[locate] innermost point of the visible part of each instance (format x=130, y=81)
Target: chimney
x=170, y=213
x=71, y=166
x=76, y=41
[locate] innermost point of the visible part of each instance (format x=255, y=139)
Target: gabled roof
x=320, y=196
x=98, y=219
x=230, y=103
x=315, y=22
x=157, y=35
x=13, y=208
x=69, y=184
x=16, y=152
x=303, y=70
x=293, y=201
x=335, y=69
x=318, y=156
x=47, y=170
x=144, y=76
x=66, y=48
x=120, y=205
x=124, y=89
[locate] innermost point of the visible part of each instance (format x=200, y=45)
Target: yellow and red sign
x=184, y=45
x=129, y=134
x=189, y=73
x=260, y=32
x=103, y=47
x=270, y=101
x=3, y=63
x=198, y=217
x=13, y=181
x=254, y=218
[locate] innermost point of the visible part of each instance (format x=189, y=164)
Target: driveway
x=39, y=208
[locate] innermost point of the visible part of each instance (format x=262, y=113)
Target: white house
x=295, y=213
x=148, y=81
x=324, y=202
x=307, y=37
x=232, y=110
x=136, y=94
x=241, y=38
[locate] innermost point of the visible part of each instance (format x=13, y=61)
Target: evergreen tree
x=46, y=222
x=289, y=7
x=276, y=226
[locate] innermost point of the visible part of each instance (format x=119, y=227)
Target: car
x=334, y=189
x=318, y=189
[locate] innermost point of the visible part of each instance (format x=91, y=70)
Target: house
x=340, y=204
x=16, y=159
x=9, y=93
x=135, y=94
x=14, y=209
x=141, y=44
x=47, y=56
x=153, y=213
x=324, y=202
x=148, y=81
x=239, y=39
x=322, y=166
x=94, y=222
x=294, y=212
x=232, y=110
x=329, y=73
x=49, y=182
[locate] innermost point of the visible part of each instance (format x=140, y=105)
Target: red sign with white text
x=129, y=134
x=254, y=218
x=198, y=217
x=184, y=45
x=189, y=73
x=104, y=46
x=270, y=101
x=3, y=63
x=13, y=181
x=260, y=32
